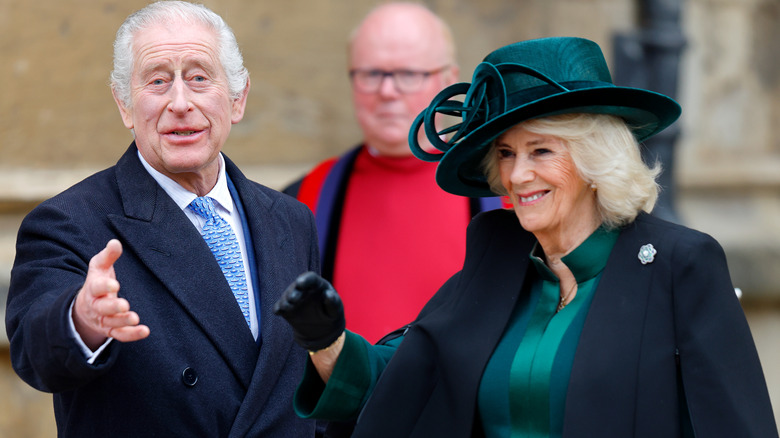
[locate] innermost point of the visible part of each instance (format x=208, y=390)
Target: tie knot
x=204, y=207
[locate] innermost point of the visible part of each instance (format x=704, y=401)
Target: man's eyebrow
x=153, y=67
x=208, y=67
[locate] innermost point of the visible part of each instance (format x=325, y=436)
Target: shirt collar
x=586, y=261
x=183, y=197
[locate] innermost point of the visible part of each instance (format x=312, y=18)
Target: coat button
x=189, y=376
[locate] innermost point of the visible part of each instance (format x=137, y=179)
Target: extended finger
x=105, y=259
x=118, y=320
x=130, y=333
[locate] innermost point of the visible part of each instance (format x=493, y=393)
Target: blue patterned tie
x=224, y=245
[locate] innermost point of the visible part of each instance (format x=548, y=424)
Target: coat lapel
x=270, y=233
x=498, y=276
x=161, y=236
x=607, y=357
x=497, y=283
x=465, y=321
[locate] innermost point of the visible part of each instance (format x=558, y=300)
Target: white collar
x=183, y=197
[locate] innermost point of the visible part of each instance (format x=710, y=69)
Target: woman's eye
x=542, y=151
x=505, y=153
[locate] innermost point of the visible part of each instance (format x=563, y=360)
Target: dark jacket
x=662, y=341
x=200, y=373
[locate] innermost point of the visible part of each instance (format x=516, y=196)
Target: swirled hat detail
x=523, y=81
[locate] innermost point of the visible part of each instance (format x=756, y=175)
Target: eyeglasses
x=405, y=81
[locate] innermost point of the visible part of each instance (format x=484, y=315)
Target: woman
x=580, y=315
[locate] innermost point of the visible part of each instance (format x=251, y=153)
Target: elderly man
x=389, y=236
x=198, y=354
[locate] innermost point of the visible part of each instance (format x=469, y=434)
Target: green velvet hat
x=523, y=81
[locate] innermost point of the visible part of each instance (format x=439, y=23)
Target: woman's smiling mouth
x=531, y=198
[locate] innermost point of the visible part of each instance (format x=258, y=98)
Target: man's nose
x=387, y=87
x=180, y=97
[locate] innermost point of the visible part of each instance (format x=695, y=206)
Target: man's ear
x=127, y=117
x=239, y=105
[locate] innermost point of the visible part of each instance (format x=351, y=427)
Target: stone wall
x=58, y=122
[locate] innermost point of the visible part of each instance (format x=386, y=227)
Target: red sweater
x=401, y=238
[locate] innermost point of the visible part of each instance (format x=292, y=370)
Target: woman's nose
x=522, y=171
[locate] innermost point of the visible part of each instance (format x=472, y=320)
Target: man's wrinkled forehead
x=175, y=46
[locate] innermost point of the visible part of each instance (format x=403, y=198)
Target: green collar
x=586, y=261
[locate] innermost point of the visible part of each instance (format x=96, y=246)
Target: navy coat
x=662, y=342
x=200, y=373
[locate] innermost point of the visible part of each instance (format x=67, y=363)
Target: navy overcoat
x=200, y=373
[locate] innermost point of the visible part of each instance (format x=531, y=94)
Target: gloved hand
x=314, y=310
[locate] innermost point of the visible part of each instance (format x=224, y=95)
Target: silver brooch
x=647, y=254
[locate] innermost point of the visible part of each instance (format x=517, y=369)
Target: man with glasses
x=384, y=225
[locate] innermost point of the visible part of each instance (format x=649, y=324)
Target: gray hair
x=605, y=153
x=163, y=12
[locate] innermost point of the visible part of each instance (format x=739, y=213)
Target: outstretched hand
x=314, y=310
x=98, y=313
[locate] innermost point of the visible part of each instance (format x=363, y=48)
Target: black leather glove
x=314, y=310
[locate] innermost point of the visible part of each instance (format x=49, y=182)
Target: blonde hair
x=605, y=153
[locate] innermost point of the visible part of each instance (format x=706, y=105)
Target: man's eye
x=406, y=75
x=374, y=74
x=157, y=82
x=199, y=79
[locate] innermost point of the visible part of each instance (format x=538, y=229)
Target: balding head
x=393, y=37
x=402, y=23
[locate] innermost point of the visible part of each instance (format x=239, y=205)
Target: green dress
x=523, y=388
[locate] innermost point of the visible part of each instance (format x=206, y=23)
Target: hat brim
x=647, y=113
